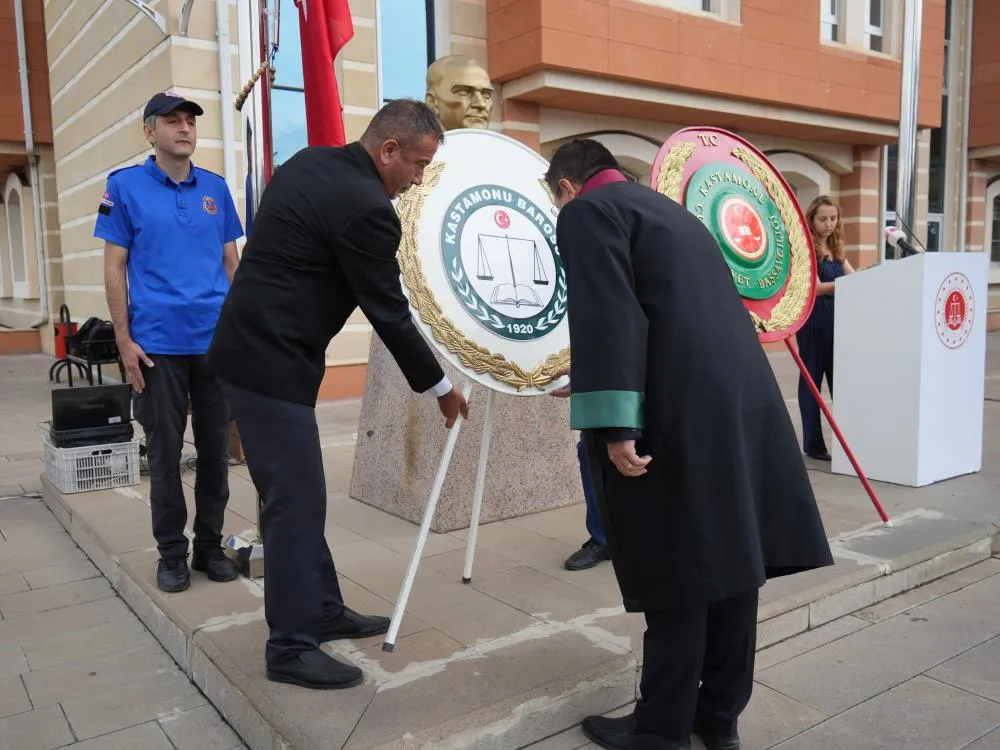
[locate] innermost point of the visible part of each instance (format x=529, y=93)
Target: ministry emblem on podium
x=954, y=310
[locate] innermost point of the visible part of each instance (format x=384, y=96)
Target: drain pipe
x=226, y=94
x=963, y=186
x=29, y=147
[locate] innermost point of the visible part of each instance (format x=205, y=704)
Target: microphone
x=896, y=238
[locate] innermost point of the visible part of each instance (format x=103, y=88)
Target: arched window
x=16, y=240
x=635, y=154
x=5, y=286
x=406, y=47
x=993, y=221
x=808, y=178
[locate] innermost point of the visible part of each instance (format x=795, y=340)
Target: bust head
x=460, y=92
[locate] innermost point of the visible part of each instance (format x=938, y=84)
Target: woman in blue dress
x=815, y=338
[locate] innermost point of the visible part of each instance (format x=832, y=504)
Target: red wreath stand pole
x=836, y=431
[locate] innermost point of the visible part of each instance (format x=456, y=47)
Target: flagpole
x=909, y=101
x=250, y=102
x=247, y=549
x=267, y=161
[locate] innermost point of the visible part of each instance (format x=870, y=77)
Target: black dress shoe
x=172, y=575
x=589, y=555
x=317, y=670
x=824, y=456
x=715, y=740
x=215, y=565
x=620, y=734
x=352, y=625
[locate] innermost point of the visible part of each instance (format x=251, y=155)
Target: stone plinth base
x=532, y=466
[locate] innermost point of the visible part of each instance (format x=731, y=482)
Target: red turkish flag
x=325, y=26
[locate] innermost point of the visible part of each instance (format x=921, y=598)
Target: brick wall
x=774, y=55
x=859, y=205
x=975, y=235
x=11, y=116
x=984, y=101
x=520, y=120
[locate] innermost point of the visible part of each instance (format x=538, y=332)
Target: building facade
x=29, y=224
x=814, y=84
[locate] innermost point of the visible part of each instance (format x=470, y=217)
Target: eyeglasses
x=554, y=197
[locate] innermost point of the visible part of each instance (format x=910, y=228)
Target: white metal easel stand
x=477, y=506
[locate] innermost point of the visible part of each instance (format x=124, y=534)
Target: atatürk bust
x=460, y=91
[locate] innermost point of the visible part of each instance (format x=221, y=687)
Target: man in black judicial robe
x=323, y=243
x=700, y=483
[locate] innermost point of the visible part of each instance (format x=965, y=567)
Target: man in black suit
x=323, y=243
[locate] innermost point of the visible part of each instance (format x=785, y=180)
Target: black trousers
x=301, y=589
x=161, y=410
x=713, y=645
x=815, y=344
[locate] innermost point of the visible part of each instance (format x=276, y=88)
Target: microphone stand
x=912, y=236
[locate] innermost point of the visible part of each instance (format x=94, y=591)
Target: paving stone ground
x=77, y=667
x=920, y=671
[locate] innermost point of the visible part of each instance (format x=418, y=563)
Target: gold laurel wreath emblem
x=472, y=355
x=794, y=300
x=672, y=170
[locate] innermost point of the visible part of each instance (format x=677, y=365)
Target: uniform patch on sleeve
x=106, y=205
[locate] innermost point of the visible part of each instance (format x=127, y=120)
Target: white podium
x=909, y=367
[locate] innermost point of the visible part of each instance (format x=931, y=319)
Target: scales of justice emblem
x=510, y=292
x=481, y=266
x=954, y=310
x=743, y=228
x=500, y=253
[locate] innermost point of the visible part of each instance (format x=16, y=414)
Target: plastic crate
x=91, y=467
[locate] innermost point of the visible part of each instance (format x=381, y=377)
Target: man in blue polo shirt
x=170, y=231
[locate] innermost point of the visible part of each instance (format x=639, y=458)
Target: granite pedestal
x=532, y=466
